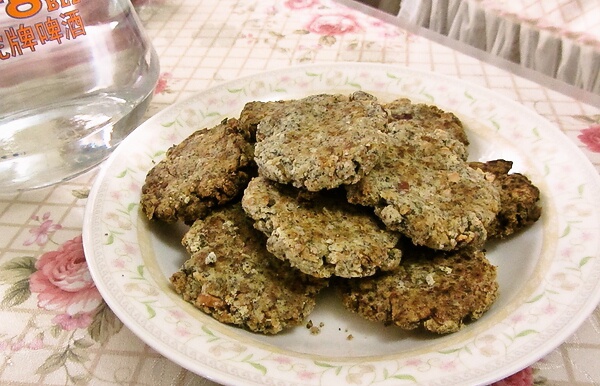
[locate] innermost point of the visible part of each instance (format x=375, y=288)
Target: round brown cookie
x=254, y=112
x=321, y=141
x=439, y=291
x=207, y=169
x=519, y=198
x=320, y=233
x=427, y=117
x=424, y=188
x=233, y=278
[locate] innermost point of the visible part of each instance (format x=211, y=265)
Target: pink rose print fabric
x=60, y=283
x=63, y=283
x=301, y=4
x=333, y=24
x=40, y=235
x=522, y=378
x=591, y=138
x=162, y=86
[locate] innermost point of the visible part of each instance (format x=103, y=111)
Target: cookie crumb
x=314, y=330
x=430, y=280
x=210, y=258
x=350, y=337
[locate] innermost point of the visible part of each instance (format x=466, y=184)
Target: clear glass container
x=76, y=78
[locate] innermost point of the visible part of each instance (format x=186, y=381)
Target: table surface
x=203, y=43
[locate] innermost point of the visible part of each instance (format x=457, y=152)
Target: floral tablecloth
x=55, y=328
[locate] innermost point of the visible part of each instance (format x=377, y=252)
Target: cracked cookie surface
x=423, y=188
x=438, y=291
x=320, y=234
x=519, y=198
x=428, y=117
x=207, y=169
x=232, y=277
x=321, y=141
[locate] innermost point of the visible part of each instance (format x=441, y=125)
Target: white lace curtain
x=559, y=38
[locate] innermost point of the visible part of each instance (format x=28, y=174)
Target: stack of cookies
x=375, y=200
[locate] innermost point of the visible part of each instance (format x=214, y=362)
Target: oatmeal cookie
x=321, y=141
x=254, y=112
x=207, y=169
x=233, y=278
x=436, y=290
x=519, y=198
x=424, y=188
x=320, y=233
x=428, y=117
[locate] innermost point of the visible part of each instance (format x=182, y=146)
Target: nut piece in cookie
x=519, y=198
x=233, y=278
x=207, y=169
x=424, y=188
x=321, y=141
x=436, y=290
x=320, y=233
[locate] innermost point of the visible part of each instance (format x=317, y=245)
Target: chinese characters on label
x=24, y=35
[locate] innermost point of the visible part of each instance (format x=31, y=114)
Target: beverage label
x=33, y=23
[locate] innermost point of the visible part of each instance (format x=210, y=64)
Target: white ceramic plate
x=549, y=275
